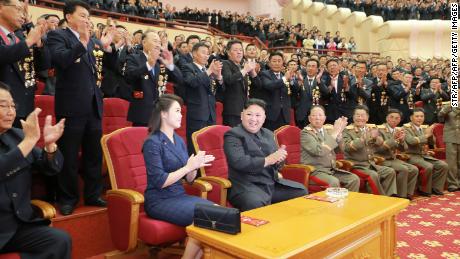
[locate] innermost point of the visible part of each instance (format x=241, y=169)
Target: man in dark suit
x=238, y=82
x=399, y=95
x=339, y=95
x=279, y=87
x=201, y=85
x=77, y=60
x=15, y=52
x=253, y=162
x=308, y=94
x=432, y=100
x=378, y=102
x=144, y=74
x=20, y=230
x=187, y=58
x=113, y=84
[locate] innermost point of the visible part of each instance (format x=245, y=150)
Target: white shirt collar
x=199, y=66
x=75, y=33
x=5, y=30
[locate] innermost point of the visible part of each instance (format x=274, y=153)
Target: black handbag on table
x=218, y=218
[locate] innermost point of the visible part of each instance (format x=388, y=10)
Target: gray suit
x=254, y=185
x=318, y=151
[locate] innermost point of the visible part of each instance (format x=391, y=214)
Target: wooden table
x=363, y=226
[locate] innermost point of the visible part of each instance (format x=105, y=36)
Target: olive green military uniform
x=359, y=148
x=317, y=149
x=406, y=174
x=435, y=170
x=451, y=118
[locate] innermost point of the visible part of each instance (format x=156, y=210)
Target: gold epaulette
x=407, y=125
x=424, y=126
x=350, y=127
x=381, y=126
x=446, y=103
x=307, y=128
x=328, y=126
x=371, y=125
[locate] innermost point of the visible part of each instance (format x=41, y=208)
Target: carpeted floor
x=430, y=228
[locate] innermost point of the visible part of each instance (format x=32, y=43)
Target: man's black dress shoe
x=98, y=203
x=424, y=194
x=451, y=189
x=437, y=192
x=66, y=209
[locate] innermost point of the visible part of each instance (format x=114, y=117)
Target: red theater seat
x=115, y=115
x=439, y=144
x=211, y=140
x=128, y=221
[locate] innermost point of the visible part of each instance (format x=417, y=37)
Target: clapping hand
x=30, y=126
x=107, y=36
x=339, y=126
x=277, y=156
x=52, y=133
x=199, y=160
x=166, y=57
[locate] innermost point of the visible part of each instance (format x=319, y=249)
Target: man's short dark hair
x=137, y=32
x=393, y=110
x=4, y=86
x=52, y=15
x=362, y=62
x=182, y=43
x=71, y=5
x=254, y=101
x=361, y=107
x=274, y=54
x=121, y=26
x=313, y=60
x=332, y=60
x=231, y=43
x=61, y=22
x=417, y=109
x=191, y=37
x=199, y=45
x=250, y=45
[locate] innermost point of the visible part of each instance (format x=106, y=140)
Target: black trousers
x=231, y=120
x=259, y=198
x=195, y=125
x=80, y=133
x=39, y=241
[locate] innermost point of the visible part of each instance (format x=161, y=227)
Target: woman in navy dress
x=167, y=163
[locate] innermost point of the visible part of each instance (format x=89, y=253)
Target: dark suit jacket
x=398, y=100
x=15, y=182
x=201, y=101
x=304, y=99
x=140, y=79
x=14, y=77
x=184, y=60
x=235, y=93
x=113, y=84
x=246, y=159
x=278, y=100
x=334, y=105
x=76, y=91
x=429, y=99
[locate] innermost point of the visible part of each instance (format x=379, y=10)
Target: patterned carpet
x=430, y=228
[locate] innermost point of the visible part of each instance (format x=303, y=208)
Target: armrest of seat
x=403, y=157
x=198, y=188
x=378, y=159
x=44, y=209
x=298, y=173
x=220, y=185
x=123, y=207
x=346, y=165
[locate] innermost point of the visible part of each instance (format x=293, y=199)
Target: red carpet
x=430, y=228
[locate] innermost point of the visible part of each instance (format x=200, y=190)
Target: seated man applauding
x=253, y=162
x=20, y=231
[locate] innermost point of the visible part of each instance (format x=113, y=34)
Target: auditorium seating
x=211, y=140
x=46, y=103
x=439, y=144
x=127, y=219
x=115, y=115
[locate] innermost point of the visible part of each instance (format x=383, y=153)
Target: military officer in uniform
x=393, y=142
x=361, y=141
x=416, y=139
x=451, y=118
x=318, y=147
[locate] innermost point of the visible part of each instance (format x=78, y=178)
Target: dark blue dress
x=170, y=204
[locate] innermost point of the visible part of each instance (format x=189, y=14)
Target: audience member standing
x=77, y=59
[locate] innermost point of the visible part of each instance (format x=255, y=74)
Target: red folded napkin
x=253, y=221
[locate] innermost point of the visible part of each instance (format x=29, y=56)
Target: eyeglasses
x=7, y=107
